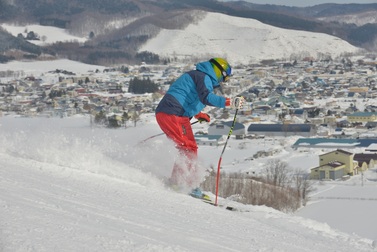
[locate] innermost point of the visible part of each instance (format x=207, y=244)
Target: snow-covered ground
x=46, y=34
x=38, y=68
x=67, y=186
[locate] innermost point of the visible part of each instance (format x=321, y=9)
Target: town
x=274, y=88
x=329, y=103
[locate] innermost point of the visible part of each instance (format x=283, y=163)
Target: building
x=209, y=140
x=362, y=117
x=334, y=165
x=333, y=143
x=223, y=128
x=284, y=130
x=366, y=160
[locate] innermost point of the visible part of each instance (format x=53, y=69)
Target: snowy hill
x=46, y=34
x=40, y=68
x=66, y=186
x=242, y=40
x=364, y=18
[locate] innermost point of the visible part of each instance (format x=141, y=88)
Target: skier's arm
x=207, y=97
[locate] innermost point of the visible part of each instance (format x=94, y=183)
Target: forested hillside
x=117, y=28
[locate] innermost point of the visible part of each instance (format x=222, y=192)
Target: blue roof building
x=333, y=143
x=284, y=130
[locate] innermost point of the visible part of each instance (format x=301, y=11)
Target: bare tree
x=277, y=172
x=135, y=117
x=303, y=184
x=248, y=189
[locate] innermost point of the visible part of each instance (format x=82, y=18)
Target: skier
x=185, y=99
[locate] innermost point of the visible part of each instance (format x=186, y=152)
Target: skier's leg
x=189, y=150
x=180, y=131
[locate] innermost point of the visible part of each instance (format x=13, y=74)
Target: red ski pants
x=179, y=130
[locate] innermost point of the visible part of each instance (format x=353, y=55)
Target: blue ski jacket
x=191, y=92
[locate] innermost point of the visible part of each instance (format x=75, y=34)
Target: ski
x=230, y=208
x=198, y=194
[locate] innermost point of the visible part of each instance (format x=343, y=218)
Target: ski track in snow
x=73, y=188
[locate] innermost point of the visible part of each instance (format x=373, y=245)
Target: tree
x=303, y=185
x=100, y=118
x=276, y=172
x=91, y=35
x=143, y=86
x=148, y=57
x=124, y=69
x=113, y=122
x=135, y=117
x=31, y=36
x=125, y=118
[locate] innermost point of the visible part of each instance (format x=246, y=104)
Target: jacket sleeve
x=215, y=100
x=207, y=96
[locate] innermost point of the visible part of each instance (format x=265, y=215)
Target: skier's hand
x=236, y=102
x=203, y=117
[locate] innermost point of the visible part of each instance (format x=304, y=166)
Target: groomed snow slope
x=65, y=186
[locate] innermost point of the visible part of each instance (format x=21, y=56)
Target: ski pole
x=159, y=134
x=221, y=156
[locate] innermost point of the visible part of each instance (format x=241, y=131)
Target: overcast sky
x=304, y=3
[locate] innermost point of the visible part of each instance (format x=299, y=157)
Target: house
x=343, y=124
x=372, y=148
x=330, y=120
x=362, y=117
x=333, y=143
x=209, y=140
x=365, y=160
x=299, y=112
x=261, y=109
x=223, y=128
x=371, y=125
x=344, y=134
x=334, y=165
x=284, y=130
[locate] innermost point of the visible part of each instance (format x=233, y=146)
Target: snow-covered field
x=46, y=34
x=41, y=68
x=67, y=186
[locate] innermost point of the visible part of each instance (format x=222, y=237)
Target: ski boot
x=197, y=193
